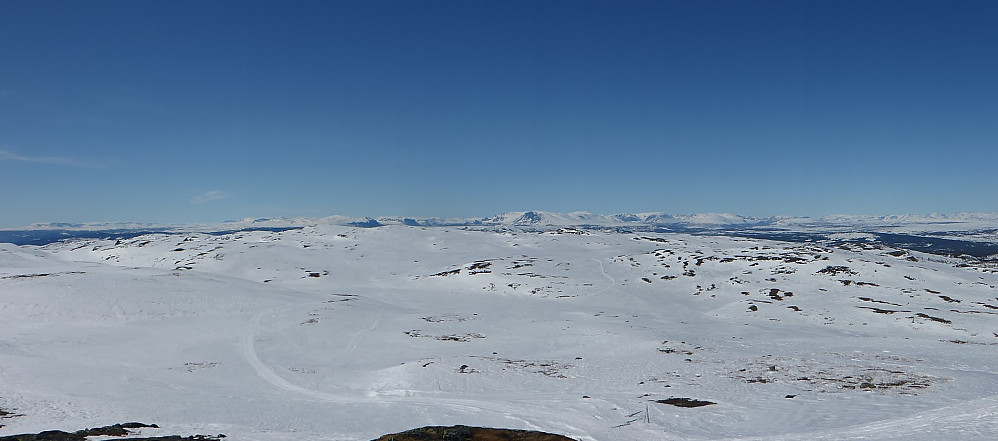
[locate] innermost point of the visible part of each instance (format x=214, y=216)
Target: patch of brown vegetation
x=113, y=430
x=833, y=270
x=466, y=433
x=935, y=319
x=685, y=402
x=6, y=414
x=416, y=333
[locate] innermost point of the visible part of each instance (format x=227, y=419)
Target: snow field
x=342, y=333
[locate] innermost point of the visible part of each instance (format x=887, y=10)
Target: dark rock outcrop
x=466, y=433
x=113, y=430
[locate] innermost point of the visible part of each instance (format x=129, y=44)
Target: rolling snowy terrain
x=578, y=324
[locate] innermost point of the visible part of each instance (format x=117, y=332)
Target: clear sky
x=193, y=111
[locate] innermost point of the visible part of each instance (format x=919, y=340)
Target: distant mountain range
x=542, y=219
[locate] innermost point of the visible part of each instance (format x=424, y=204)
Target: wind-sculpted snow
x=348, y=333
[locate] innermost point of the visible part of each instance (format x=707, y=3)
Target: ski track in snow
x=602, y=270
x=268, y=375
x=539, y=410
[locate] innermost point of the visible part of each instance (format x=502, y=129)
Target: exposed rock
x=685, y=402
x=113, y=430
x=466, y=433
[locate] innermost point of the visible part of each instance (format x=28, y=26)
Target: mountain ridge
x=540, y=218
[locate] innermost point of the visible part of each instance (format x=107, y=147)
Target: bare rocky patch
x=194, y=366
x=881, y=310
x=6, y=414
x=39, y=275
x=446, y=318
x=935, y=319
x=116, y=430
x=834, y=270
x=680, y=348
x=836, y=373
x=467, y=433
x=685, y=402
x=465, y=337
x=549, y=368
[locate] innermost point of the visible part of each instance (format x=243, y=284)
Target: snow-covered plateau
x=333, y=331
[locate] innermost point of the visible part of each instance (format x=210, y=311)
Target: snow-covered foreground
x=342, y=333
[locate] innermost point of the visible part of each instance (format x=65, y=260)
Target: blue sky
x=193, y=111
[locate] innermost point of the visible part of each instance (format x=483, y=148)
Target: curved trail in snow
x=613, y=285
x=613, y=282
x=540, y=413
x=266, y=374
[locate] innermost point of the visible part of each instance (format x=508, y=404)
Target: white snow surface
x=332, y=332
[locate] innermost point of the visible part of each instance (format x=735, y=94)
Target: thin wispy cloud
x=6, y=155
x=208, y=196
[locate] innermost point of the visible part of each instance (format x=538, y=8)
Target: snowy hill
x=340, y=332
